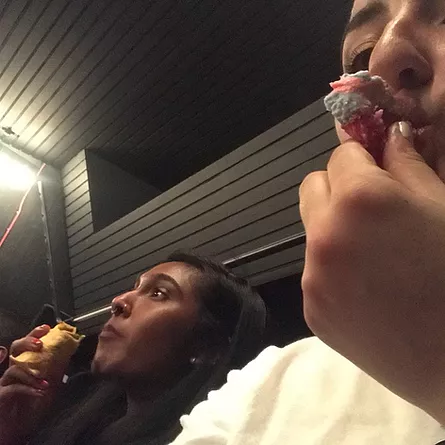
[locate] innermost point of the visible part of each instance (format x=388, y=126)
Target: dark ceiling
x=160, y=87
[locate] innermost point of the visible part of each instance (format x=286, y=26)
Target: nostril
x=409, y=78
x=120, y=308
x=116, y=309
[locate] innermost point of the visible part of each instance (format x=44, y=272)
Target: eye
x=358, y=60
x=158, y=294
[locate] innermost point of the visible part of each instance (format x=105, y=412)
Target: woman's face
x=404, y=42
x=150, y=334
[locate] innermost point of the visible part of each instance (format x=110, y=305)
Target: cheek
x=159, y=343
x=169, y=333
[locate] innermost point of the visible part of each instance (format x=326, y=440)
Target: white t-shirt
x=305, y=394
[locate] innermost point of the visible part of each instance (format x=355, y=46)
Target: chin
x=102, y=365
x=96, y=367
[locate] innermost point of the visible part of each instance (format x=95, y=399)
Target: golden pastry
x=59, y=345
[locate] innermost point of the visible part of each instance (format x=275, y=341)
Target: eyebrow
x=366, y=15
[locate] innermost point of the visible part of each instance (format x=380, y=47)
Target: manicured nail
x=36, y=341
x=406, y=130
x=44, y=383
x=403, y=128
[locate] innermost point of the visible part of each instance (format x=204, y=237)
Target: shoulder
x=304, y=390
x=212, y=421
x=275, y=360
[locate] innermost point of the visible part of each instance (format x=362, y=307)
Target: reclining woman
x=169, y=341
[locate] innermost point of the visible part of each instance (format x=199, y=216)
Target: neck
x=143, y=390
x=140, y=394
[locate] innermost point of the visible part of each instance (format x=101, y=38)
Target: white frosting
x=345, y=106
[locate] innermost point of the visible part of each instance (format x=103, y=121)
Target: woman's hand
x=24, y=398
x=374, y=277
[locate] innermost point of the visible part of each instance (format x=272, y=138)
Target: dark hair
x=231, y=308
x=231, y=311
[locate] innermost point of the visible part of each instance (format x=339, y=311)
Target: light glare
x=15, y=175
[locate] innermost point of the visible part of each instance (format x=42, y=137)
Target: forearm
x=20, y=419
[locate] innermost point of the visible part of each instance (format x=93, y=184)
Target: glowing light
x=14, y=174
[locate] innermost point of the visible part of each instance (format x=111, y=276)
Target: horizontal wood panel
x=72, y=187
x=80, y=224
x=214, y=171
x=270, y=235
x=109, y=283
x=215, y=187
x=77, y=204
x=294, y=267
x=250, y=270
x=80, y=235
x=242, y=240
x=235, y=196
x=77, y=193
x=73, y=168
x=261, y=271
x=78, y=214
x=242, y=202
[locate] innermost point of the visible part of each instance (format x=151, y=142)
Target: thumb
x=406, y=165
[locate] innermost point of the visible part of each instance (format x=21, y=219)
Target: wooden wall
x=243, y=201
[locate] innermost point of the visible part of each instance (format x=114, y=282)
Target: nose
x=121, y=306
x=398, y=58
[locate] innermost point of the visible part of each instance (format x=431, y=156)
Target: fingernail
x=39, y=392
x=36, y=341
x=44, y=326
x=403, y=128
x=44, y=383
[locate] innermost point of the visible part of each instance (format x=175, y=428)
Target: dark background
x=24, y=285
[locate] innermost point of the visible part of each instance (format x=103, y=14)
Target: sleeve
x=215, y=420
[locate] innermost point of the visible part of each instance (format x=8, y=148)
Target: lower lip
x=108, y=335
